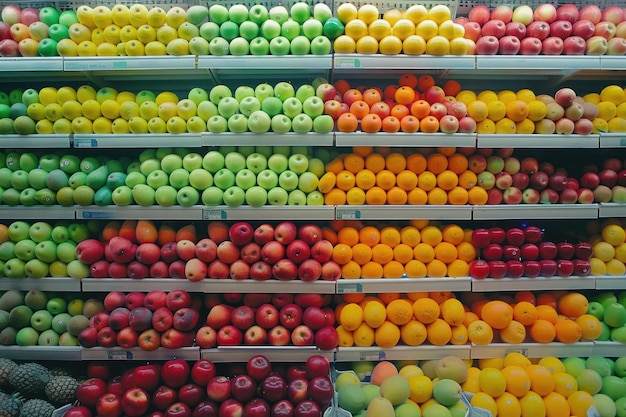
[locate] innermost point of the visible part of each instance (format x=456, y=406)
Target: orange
x=374, y=314
x=404, y=95
x=458, y=163
x=479, y=332
x=390, y=236
x=486, y=401
x=541, y=379
x=345, y=338
x=353, y=162
x=477, y=196
x=413, y=333
x=542, y=331
x=417, y=197
x=375, y=162
x=424, y=82
x=369, y=235
x=395, y=162
x=407, y=79
x=547, y=298
x=514, y=333
x=342, y=253
x=350, y=316
x=579, y=402
x=335, y=197
x=458, y=196
x=556, y=405
x=426, y=310
x=375, y=196
x=371, y=123
x=424, y=252
x=451, y=87
x=573, y=304
x=406, y=179
x=399, y=111
x=416, y=162
x=347, y=122
x=362, y=151
x=436, y=269
x=532, y=405
x=387, y=297
x=525, y=313
x=568, y=331
x=438, y=332
x=382, y=253
x=348, y=235
x=363, y=336
x=402, y=253
x=400, y=311
x=397, y=196
x=372, y=270
x=446, y=252
x=517, y=380
x=335, y=166
x=497, y=314
x=385, y=179
x=469, y=318
x=426, y=180
x=466, y=251
x=447, y=180
x=420, y=109
x=436, y=163
x=441, y=296
x=364, y=179
x=390, y=124
x=508, y=405
x=410, y=235
x=345, y=180
x=371, y=96
x=409, y=124
x=393, y=269
x=492, y=382
x=351, y=270
x=516, y=110
x=517, y=359
x=452, y=312
x=429, y=124
x=431, y=235
x=546, y=312
x=565, y=384
x=360, y=109
x=415, y=269
x=361, y=253
x=387, y=335
x=590, y=326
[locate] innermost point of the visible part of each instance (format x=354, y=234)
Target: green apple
x=272, y=106
x=246, y=150
x=14, y=268
x=259, y=46
x=263, y=91
x=248, y=30
x=27, y=336
x=234, y=196
x=165, y=195
x=313, y=106
x=300, y=45
x=197, y=14
x=28, y=160
x=157, y=178
x=265, y=150
x=296, y=198
x=239, y=46
x=290, y=29
x=218, y=13
x=259, y=122
x=51, y=161
x=192, y=161
x=200, y=179
x=198, y=95
x=5, y=177
x=59, y=322
x=171, y=162
x=56, y=305
x=199, y=46
x=279, y=46
x=48, y=337
x=333, y=28
x=218, y=92
x=59, y=234
x=292, y=107
x=40, y=231
x=25, y=249
x=143, y=195
x=213, y=161
x=258, y=14
x=187, y=196
x=212, y=196
x=316, y=166
x=248, y=105
x=217, y=124
x=18, y=230
x=133, y=166
x=284, y=90
x=209, y=30
x=256, y=162
x=300, y=12
x=238, y=123
x=315, y=198
x=304, y=150
x=77, y=269
x=323, y=124
x=267, y=179
x=229, y=30
x=277, y=196
x=307, y=182
x=89, y=164
x=245, y=179
x=7, y=250
x=78, y=232
x=77, y=179
x=66, y=251
x=122, y=196
x=302, y=123
x=149, y=165
x=279, y=13
x=270, y=29
x=219, y=46
x=11, y=197
x=179, y=178
x=224, y=178
x=288, y=180
x=242, y=92
x=37, y=178
x=256, y=196
x=41, y=320
x=135, y=177
x=227, y=107
x=27, y=196
x=278, y=163
x=320, y=45
x=36, y=268
x=238, y=13
x=322, y=12
x=19, y=180
x=206, y=109
x=195, y=124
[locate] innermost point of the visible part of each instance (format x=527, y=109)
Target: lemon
x=507, y=96
x=478, y=110
x=344, y=44
x=356, y=29
x=128, y=109
x=613, y=93
x=416, y=13
x=119, y=126
x=148, y=110
x=72, y=109
x=110, y=109
x=112, y=34
x=403, y=28
x=44, y=127
x=526, y=95
x=157, y=125
x=379, y=28
x=592, y=98
x=47, y=95
x=65, y=93
x=525, y=127
x=536, y=110
x=36, y=111
x=486, y=127
x=166, y=96
x=446, y=29
x=496, y=110
x=91, y=109
x=367, y=13
x=134, y=48
x=97, y=36
x=617, y=125
x=392, y=15
x=390, y=45
x=414, y=45
x=146, y=33
x=62, y=126
x=102, y=126
x=83, y=93
x=487, y=96
x=438, y=45
x=466, y=96
x=128, y=33
x=615, y=268
x=621, y=110
x=439, y=13
x=347, y=12
x=82, y=125
x=367, y=45
x=505, y=126
x=427, y=29
x=87, y=48
x=54, y=111
x=138, y=125
x=166, y=34
x=176, y=124
x=155, y=48
x=459, y=46
x=607, y=110
x=119, y=14
x=107, y=49
x=123, y=96
x=600, y=125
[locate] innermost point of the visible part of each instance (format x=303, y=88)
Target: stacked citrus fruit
x=611, y=104
x=609, y=250
x=380, y=176
x=414, y=250
x=412, y=319
x=413, y=31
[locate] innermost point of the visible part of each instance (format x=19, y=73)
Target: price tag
x=214, y=214
x=119, y=355
x=523, y=351
x=372, y=356
x=593, y=412
x=350, y=288
x=347, y=63
x=622, y=142
x=96, y=214
x=349, y=214
x=85, y=143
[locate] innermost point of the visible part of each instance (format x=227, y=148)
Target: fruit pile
x=609, y=251
x=546, y=30
x=268, y=319
x=610, y=308
x=147, y=320
x=517, y=252
x=34, y=389
x=41, y=249
x=414, y=31
x=386, y=320
x=458, y=176
x=139, y=29
x=44, y=319
x=414, y=250
x=510, y=386
x=239, y=251
x=176, y=388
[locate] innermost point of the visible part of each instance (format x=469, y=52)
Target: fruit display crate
x=273, y=353
x=403, y=285
x=423, y=352
x=136, y=353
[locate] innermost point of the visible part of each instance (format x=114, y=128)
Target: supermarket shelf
x=402, y=62
x=405, y=139
x=612, y=63
x=30, y=353
x=221, y=286
x=423, y=352
x=610, y=282
x=275, y=62
x=37, y=212
x=533, y=284
x=136, y=353
x=612, y=140
x=407, y=212
x=30, y=64
x=190, y=140
x=121, y=63
x=559, y=63
x=41, y=284
x=148, y=284
x=273, y=353
x=35, y=141
x=139, y=212
x=533, y=350
x=536, y=211
x=611, y=210
x=346, y=286
x=608, y=349
x=538, y=141
x=268, y=212
x=267, y=139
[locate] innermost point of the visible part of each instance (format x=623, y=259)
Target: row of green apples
x=138, y=30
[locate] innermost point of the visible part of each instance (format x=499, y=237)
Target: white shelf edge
x=537, y=62
x=533, y=284
x=62, y=353
x=608, y=349
x=37, y=212
x=191, y=140
x=348, y=286
x=122, y=63
x=421, y=352
x=138, y=212
x=275, y=62
x=42, y=284
x=268, y=212
x=35, y=141
x=273, y=353
x=382, y=212
x=29, y=64
x=146, y=284
x=532, y=350
x=402, y=62
x=136, y=353
x=538, y=141
x=267, y=139
x=613, y=140
x=612, y=210
x=609, y=282
x=400, y=139
x=221, y=286
x=612, y=62
x=535, y=211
